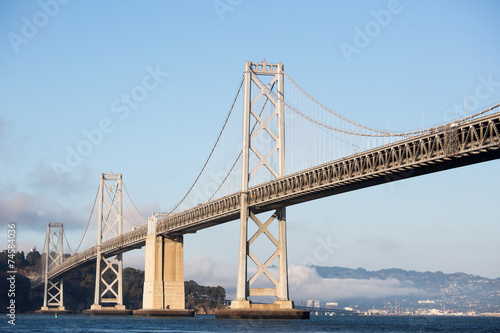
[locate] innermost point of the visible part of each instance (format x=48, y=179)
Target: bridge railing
x=442, y=142
x=200, y=214
x=125, y=239
x=135, y=236
x=440, y=145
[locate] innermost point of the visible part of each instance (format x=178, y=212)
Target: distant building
x=313, y=303
x=376, y=312
x=332, y=305
x=426, y=302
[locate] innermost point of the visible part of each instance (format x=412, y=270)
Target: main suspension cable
x=241, y=151
x=213, y=149
x=42, y=262
x=90, y=219
x=332, y=112
x=130, y=199
x=382, y=133
x=67, y=243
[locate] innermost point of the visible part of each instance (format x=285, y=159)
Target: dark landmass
x=79, y=287
x=204, y=300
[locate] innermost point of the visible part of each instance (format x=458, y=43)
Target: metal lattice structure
x=53, y=290
x=276, y=152
x=109, y=268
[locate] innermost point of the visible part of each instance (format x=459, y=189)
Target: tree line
x=79, y=287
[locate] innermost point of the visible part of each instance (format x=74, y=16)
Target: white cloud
x=31, y=210
x=205, y=272
x=305, y=283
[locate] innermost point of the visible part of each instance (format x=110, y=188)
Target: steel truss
x=280, y=289
x=109, y=268
x=53, y=290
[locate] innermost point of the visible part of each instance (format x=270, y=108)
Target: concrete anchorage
x=164, y=275
x=282, y=307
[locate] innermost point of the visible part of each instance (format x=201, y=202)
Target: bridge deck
x=445, y=147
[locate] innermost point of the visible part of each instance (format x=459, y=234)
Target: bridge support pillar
x=163, y=275
x=108, y=295
x=268, y=159
x=53, y=290
x=280, y=290
x=153, y=292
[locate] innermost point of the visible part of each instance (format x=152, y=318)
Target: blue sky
x=65, y=66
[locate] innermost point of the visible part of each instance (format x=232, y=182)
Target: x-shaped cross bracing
x=109, y=286
x=113, y=207
x=263, y=268
x=264, y=125
x=54, y=292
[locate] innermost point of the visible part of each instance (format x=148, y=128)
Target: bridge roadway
x=441, y=148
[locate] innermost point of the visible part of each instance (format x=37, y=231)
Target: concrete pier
x=164, y=276
x=247, y=310
x=108, y=311
x=164, y=313
x=164, y=273
x=52, y=311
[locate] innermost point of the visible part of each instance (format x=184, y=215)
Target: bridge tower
x=266, y=159
x=109, y=269
x=53, y=291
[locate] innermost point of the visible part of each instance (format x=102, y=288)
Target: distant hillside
x=202, y=299
x=458, y=291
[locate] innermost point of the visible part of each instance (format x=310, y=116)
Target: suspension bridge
x=326, y=154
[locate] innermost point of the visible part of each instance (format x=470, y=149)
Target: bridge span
x=445, y=147
x=468, y=141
